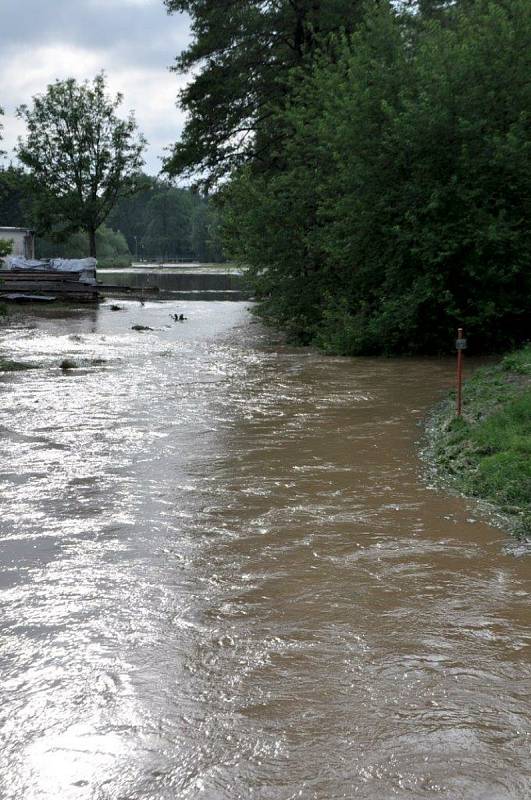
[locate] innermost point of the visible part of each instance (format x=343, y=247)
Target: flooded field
x=224, y=577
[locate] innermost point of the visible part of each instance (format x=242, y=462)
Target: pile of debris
x=26, y=280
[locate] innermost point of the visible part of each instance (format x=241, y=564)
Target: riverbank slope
x=486, y=453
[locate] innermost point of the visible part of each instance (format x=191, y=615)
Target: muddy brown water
x=224, y=576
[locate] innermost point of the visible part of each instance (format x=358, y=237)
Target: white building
x=23, y=241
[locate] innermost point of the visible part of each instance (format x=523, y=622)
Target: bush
x=519, y=361
x=109, y=244
x=6, y=245
x=115, y=262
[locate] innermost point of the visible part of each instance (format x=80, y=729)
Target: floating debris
x=17, y=297
x=67, y=364
x=44, y=280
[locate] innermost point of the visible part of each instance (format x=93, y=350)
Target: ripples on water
x=223, y=578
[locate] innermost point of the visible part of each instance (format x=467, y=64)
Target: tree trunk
x=92, y=242
x=298, y=38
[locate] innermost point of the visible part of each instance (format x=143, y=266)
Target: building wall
x=23, y=241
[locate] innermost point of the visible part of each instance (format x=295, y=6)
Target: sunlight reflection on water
x=222, y=576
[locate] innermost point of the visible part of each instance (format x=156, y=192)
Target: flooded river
x=224, y=578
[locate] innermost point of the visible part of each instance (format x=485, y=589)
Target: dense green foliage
x=401, y=210
x=17, y=210
x=158, y=222
x=15, y=198
x=81, y=155
x=487, y=452
x=240, y=59
x=111, y=245
x=164, y=222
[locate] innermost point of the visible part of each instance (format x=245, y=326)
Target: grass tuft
x=518, y=362
x=487, y=452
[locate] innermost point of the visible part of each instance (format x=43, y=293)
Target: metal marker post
x=460, y=345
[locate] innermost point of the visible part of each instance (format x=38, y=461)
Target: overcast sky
x=134, y=41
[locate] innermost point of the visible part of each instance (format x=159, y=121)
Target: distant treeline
x=165, y=222
x=159, y=222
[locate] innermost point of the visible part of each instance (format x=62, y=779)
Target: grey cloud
x=135, y=41
x=142, y=33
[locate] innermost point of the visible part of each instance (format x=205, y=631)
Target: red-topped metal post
x=460, y=345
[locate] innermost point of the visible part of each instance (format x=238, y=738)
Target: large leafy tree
x=241, y=57
x=81, y=154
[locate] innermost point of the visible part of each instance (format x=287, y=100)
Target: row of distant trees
x=161, y=221
x=158, y=223
x=80, y=178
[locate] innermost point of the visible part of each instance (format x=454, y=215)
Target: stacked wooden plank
x=60, y=284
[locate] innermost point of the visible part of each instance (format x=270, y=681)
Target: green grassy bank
x=487, y=452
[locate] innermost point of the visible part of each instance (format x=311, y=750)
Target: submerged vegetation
x=8, y=365
x=486, y=453
x=68, y=364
